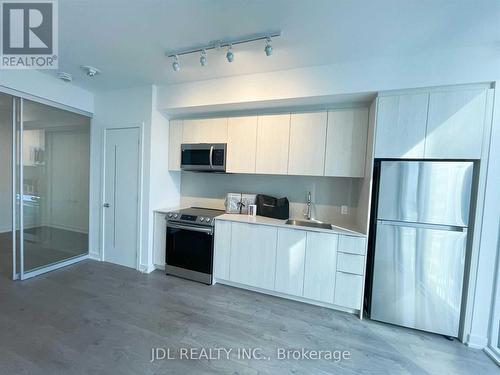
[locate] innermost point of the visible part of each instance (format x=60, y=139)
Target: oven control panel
x=186, y=218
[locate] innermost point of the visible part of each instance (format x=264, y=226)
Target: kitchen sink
x=309, y=223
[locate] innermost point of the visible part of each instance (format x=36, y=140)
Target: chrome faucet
x=308, y=213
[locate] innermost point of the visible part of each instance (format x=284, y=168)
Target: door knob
x=106, y=205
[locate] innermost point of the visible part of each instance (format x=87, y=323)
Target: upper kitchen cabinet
x=455, y=124
x=213, y=130
x=273, y=135
x=174, y=145
x=346, y=142
x=401, y=123
x=307, y=144
x=241, y=144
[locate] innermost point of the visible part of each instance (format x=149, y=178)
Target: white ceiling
x=127, y=39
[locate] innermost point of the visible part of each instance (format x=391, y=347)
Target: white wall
x=47, y=87
x=164, y=185
x=116, y=109
x=128, y=108
x=328, y=193
x=446, y=67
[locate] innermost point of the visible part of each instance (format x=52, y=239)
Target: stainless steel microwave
x=203, y=157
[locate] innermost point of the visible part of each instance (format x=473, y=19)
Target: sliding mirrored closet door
x=44, y=187
x=7, y=179
x=55, y=176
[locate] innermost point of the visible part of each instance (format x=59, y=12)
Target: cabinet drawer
x=348, y=289
x=352, y=244
x=350, y=263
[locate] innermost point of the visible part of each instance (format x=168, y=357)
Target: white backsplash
x=328, y=193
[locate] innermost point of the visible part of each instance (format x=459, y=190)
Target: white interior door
x=121, y=196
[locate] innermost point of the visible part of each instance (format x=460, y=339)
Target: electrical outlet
x=344, y=210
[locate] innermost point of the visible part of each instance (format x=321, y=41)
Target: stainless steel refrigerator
x=420, y=244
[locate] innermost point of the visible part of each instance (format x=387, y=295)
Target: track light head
x=90, y=70
x=269, y=48
x=230, y=54
x=176, y=66
x=203, y=58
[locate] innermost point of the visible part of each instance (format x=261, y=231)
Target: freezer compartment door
x=418, y=277
x=425, y=192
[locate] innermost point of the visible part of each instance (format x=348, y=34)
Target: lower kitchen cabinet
x=253, y=255
x=290, y=258
x=320, y=264
x=348, y=289
x=350, y=263
x=222, y=249
x=159, y=239
x=325, y=268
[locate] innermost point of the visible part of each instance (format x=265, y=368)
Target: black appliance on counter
x=190, y=243
x=277, y=208
x=203, y=157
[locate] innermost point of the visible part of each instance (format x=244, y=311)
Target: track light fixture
x=230, y=54
x=221, y=44
x=203, y=58
x=176, y=66
x=269, y=48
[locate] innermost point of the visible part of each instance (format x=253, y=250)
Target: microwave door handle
x=210, y=157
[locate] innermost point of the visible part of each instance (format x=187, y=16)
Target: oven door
x=189, y=252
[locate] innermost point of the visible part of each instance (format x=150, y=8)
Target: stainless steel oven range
x=190, y=243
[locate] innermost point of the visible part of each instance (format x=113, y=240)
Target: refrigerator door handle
x=451, y=228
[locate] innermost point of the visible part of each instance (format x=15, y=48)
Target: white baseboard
x=476, y=342
x=95, y=256
x=146, y=268
x=160, y=267
x=287, y=296
x=72, y=229
x=67, y=227
x=9, y=229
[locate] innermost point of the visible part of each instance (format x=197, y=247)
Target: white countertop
x=167, y=210
x=281, y=223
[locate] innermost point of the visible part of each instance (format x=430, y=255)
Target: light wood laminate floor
x=99, y=318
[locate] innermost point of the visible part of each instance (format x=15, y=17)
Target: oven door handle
x=192, y=228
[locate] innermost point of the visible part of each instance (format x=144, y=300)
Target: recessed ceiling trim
x=224, y=43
